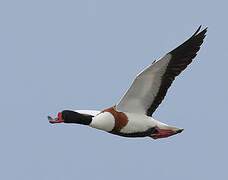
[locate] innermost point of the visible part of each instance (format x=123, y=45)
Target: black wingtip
x=197, y=31
x=205, y=30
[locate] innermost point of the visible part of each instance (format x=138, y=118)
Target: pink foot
x=163, y=133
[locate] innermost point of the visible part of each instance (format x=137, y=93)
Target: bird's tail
x=165, y=131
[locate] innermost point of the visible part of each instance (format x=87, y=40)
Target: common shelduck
x=131, y=117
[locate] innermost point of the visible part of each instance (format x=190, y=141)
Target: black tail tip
x=179, y=131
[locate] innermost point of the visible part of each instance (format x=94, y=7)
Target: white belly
x=104, y=121
x=138, y=123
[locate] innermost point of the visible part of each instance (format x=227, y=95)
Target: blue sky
x=59, y=55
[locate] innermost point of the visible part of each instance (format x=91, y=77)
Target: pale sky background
x=84, y=54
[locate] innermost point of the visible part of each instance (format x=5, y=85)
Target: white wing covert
x=144, y=88
x=150, y=86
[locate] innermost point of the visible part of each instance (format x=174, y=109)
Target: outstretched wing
x=150, y=86
x=88, y=112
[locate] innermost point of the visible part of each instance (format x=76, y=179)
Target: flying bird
x=132, y=115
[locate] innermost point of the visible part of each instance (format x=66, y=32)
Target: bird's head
x=68, y=116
